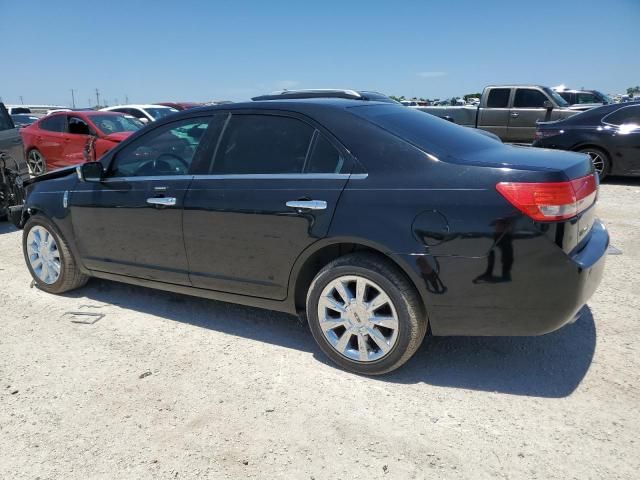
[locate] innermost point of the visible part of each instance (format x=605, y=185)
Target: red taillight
x=551, y=201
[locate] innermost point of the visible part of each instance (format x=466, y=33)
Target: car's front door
x=528, y=108
x=131, y=222
x=76, y=140
x=269, y=192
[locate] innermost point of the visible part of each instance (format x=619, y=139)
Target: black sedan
x=375, y=222
x=609, y=134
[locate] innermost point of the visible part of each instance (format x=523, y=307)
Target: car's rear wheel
x=365, y=314
x=36, y=162
x=600, y=160
x=48, y=257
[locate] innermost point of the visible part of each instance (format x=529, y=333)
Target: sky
x=198, y=50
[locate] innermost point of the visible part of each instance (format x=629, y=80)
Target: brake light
x=553, y=200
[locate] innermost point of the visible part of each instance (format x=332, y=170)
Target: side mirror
x=91, y=172
x=548, y=105
x=144, y=120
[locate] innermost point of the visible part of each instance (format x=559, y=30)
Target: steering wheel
x=160, y=165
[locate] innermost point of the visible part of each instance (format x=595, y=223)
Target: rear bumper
x=546, y=289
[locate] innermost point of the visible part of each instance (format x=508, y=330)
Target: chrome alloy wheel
x=597, y=160
x=44, y=255
x=36, y=163
x=358, y=318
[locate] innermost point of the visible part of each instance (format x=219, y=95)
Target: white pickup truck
x=509, y=111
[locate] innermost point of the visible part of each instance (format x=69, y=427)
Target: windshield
x=556, y=96
x=604, y=98
x=160, y=112
x=115, y=123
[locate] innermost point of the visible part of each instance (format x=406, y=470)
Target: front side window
x=55, y=123
x=77, y=126
x=527, y=98
x=262, y=144
x=498, y=98
x=624, y=116
x=168, y=150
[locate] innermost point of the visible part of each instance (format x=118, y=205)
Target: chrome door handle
x=162, y=201
x=515, y=115
x=307, y=204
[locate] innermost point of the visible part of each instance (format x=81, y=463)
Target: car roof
x=138, y=105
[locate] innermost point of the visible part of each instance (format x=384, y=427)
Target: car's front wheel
x=365, y=314
x=48, y=257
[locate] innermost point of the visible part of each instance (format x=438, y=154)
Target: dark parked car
x=373, y=220
x=610, y=135
x=13, y=167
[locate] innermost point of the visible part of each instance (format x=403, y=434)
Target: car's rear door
x=493, y=114
x=528, y=108
x=131, y=222
x=49, y=139
x=269, y=192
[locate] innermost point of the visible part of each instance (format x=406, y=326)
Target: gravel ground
x=167, y=386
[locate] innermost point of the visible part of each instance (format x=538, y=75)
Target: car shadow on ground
x=6, y=227
x=628, y=181
x=552, y=365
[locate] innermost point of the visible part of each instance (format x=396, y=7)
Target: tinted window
x=324, y=158
x=160, y=112
x=53, y=124
x=254, y=144
x=568, y=96
x=20, y=110
x=168, y=150
x=498, y=98
x=526, y=98
x=587, y=97
x=624, y=116
x=428, y=132
x=77, y=126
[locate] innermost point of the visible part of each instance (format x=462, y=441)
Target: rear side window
x=262, y=144
x=527, y=98
x=624, y=116
x=586, y=97
x=498, y=98
x=53, y=124
x=324, y=157
x=427, y=132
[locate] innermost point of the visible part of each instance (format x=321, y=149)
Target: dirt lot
x=168, y=386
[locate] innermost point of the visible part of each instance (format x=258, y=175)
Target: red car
x=69, y=138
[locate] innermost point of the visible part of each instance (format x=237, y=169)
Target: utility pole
x=126, y=99
x=73, y=99
x=97, y=97
x=21, y=101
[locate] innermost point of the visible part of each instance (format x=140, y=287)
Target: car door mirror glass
x=91, y=172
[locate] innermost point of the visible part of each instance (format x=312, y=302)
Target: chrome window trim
x=253, y=176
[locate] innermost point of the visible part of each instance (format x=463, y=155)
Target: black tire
x=29, y=162
x=412, y=320
x=70, y=275
x=606, y=161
